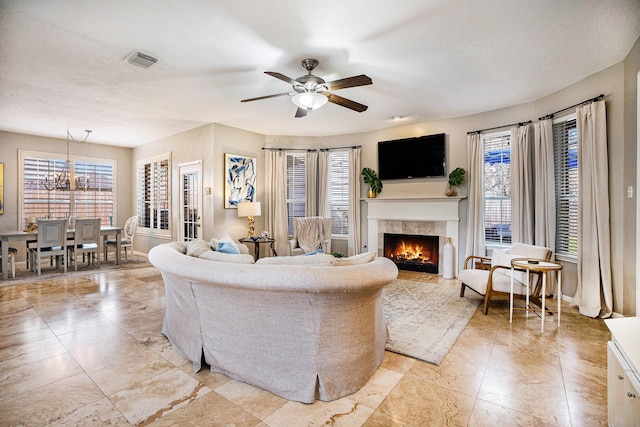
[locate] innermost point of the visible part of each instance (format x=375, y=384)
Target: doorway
x=190, y=201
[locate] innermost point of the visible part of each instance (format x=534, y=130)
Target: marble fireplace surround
x=420, y=216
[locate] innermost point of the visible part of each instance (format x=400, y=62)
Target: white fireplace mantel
x=430, y=209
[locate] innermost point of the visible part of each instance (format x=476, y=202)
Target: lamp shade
x=309, y=100
x=249, y=209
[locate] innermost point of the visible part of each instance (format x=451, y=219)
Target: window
x=296, y=187
x=339, y=192
x=497, y=187
x=154, y=199
x=38, y=202
x=565, y=147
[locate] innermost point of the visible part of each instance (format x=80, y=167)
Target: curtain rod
x=310, y=149
x=550, y=116
x=500, y=127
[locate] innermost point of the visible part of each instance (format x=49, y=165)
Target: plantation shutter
x=98, y=201
x=153, y=193
x=37, y=201
x=565, y=145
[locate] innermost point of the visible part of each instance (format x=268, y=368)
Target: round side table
x=531, y=265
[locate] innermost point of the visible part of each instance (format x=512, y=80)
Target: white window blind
x=339, y=191
x=38, y=202
x=497, y=187
x=153, y=194
x=296, y=187
x=565, y=145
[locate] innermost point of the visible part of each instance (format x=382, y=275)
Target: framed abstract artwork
x=240, y=180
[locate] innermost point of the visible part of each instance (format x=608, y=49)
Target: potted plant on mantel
x=456, y=178
x=371, y=178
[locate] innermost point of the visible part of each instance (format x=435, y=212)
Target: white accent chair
x=126, y=241
x=86, y=241
x=491, y=276
x=12, y=261
x=310, y=234
x=52, y=242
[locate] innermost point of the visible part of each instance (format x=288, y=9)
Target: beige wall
x=207, y=144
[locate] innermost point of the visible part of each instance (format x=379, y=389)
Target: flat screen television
x=419, y=157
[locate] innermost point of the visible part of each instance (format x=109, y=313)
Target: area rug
x=425, y=319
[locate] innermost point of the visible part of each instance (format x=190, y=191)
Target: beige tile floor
x=87, y=350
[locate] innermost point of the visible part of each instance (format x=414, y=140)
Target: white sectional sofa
x=300, y=327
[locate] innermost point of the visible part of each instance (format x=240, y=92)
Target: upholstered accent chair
x=310, y=234
x=85, y=241
x=489, y=276
x=126, y=241
x=52, y=242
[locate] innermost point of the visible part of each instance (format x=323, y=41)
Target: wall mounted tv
x=419, y=157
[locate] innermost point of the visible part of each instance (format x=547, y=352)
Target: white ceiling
x=61, y=62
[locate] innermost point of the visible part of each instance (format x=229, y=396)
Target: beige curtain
x=545, y=187
x=594, y=294
x=475, y=215
x=323, y=183
x=311, y=197
x=545, y=193
x=521, y=185
x=276, y=199
x=353, y=240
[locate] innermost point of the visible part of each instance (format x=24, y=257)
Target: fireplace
x=412, y=252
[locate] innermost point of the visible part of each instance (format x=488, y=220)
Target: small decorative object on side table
x=256, y=243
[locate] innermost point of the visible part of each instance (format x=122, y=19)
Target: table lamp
x=249, y=209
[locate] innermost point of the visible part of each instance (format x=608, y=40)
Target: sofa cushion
x=178, y=246
x=362, y=258
x=318, y=259
x=223, y=257
x=196, y=248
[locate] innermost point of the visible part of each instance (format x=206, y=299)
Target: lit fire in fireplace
x=409, y=252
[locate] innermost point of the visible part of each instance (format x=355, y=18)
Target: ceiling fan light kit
x=312, y=92
x=309, y=100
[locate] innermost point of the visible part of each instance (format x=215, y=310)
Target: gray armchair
x=310, y=234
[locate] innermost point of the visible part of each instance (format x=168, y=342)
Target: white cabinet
x=623, y=362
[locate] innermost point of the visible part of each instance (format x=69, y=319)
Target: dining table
x=32, y=236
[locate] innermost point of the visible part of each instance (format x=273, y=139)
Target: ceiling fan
x=312, y=92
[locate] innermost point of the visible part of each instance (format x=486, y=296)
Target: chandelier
x=63, y=180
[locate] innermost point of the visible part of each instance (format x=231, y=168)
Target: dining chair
x=12, y=261
x=52, y=241
x=85, y=241
x=126, y=241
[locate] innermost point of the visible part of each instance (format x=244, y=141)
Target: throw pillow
x=228, y=248
x=223, y=257
x=178, y=246
x=318, y=259
x=356, y=259
x=197, y=247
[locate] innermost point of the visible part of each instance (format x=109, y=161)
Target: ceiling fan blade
x=361, y=80
x=281, y=77
x=265, y=97
x=344, y=102
x=301, y=112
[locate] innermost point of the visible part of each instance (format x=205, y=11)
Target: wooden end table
x=256, y=243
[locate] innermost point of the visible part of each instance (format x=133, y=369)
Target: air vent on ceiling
x=141, y=59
